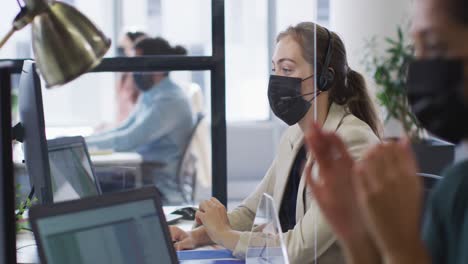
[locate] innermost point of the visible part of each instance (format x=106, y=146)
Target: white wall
x=291, y=12
x=358, y=20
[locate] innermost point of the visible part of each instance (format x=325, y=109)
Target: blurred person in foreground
x=375, y=205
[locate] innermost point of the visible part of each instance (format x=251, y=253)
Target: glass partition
x=140, y=129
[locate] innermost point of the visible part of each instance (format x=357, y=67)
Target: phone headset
x=326, y=76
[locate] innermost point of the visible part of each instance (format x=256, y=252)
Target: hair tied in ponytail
x=179, y=50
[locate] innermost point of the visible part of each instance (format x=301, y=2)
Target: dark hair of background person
x=348, y=87
x=135, y=35
x=158, y=46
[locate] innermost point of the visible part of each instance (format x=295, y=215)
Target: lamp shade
x=66, y=44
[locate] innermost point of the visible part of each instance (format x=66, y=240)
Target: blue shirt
x=158, y=128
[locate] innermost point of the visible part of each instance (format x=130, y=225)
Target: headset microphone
x=287, y=98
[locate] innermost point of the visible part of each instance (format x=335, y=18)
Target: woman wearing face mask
x=126, y=92
x=160, y=125
x=343, y=105
x=386, y=201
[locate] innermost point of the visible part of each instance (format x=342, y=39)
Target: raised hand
x=334, y=192
x=390, y=198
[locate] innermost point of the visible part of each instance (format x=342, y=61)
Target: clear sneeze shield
x=266, y=243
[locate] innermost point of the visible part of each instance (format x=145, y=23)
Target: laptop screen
x=124, y=233
x=71, y=173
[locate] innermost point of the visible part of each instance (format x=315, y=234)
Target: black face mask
x=435, y=93
x=121, y=52
x=285, y=98
x=143, y=81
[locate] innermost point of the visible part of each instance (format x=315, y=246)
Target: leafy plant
x=22, y=207
x=14, y=102
x=389, y=71
x=14, y=107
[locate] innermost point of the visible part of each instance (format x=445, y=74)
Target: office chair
x=186, y=169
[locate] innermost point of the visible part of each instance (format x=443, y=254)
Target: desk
x=27, y=251
x=118, y=162
x=117, y=159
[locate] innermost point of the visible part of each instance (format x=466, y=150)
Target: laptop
x=71, y=170
x=72, y=173
x=117, y=228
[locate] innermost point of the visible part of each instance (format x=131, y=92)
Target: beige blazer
x=358, y=136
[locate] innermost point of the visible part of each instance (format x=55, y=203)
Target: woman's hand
x=189, y=240
x=213, y=216
x=182, y=240
x=336, y=195
x=390, y=197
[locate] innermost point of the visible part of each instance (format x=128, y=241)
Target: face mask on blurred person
x=436, y=95
x=286, y=100
x=143, y=81
x=121, y=52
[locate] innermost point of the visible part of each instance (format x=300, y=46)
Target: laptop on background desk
x=72, y=171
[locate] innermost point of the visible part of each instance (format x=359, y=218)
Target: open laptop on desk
x=127, y=227
x=72, y=173
x=71, y=170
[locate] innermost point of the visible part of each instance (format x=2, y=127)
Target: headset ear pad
x=326, y=78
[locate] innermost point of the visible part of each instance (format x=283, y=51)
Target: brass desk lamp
x=66, y=44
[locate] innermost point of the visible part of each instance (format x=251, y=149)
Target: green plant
x=14, y=102
x=389, y=71
x=20, y=209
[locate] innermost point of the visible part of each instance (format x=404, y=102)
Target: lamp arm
x=25, y=16
x=8, y=35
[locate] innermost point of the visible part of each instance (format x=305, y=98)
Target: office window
x=247, y=62
x=323, y=12
x=189, y=27
x=91, y=99
x=247, y=58
x=90, y=106
x=181, y=22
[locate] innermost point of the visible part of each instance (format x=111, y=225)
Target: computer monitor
x=117, y=228
x=35, y=145
x=71, y=170
x=7, y=190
